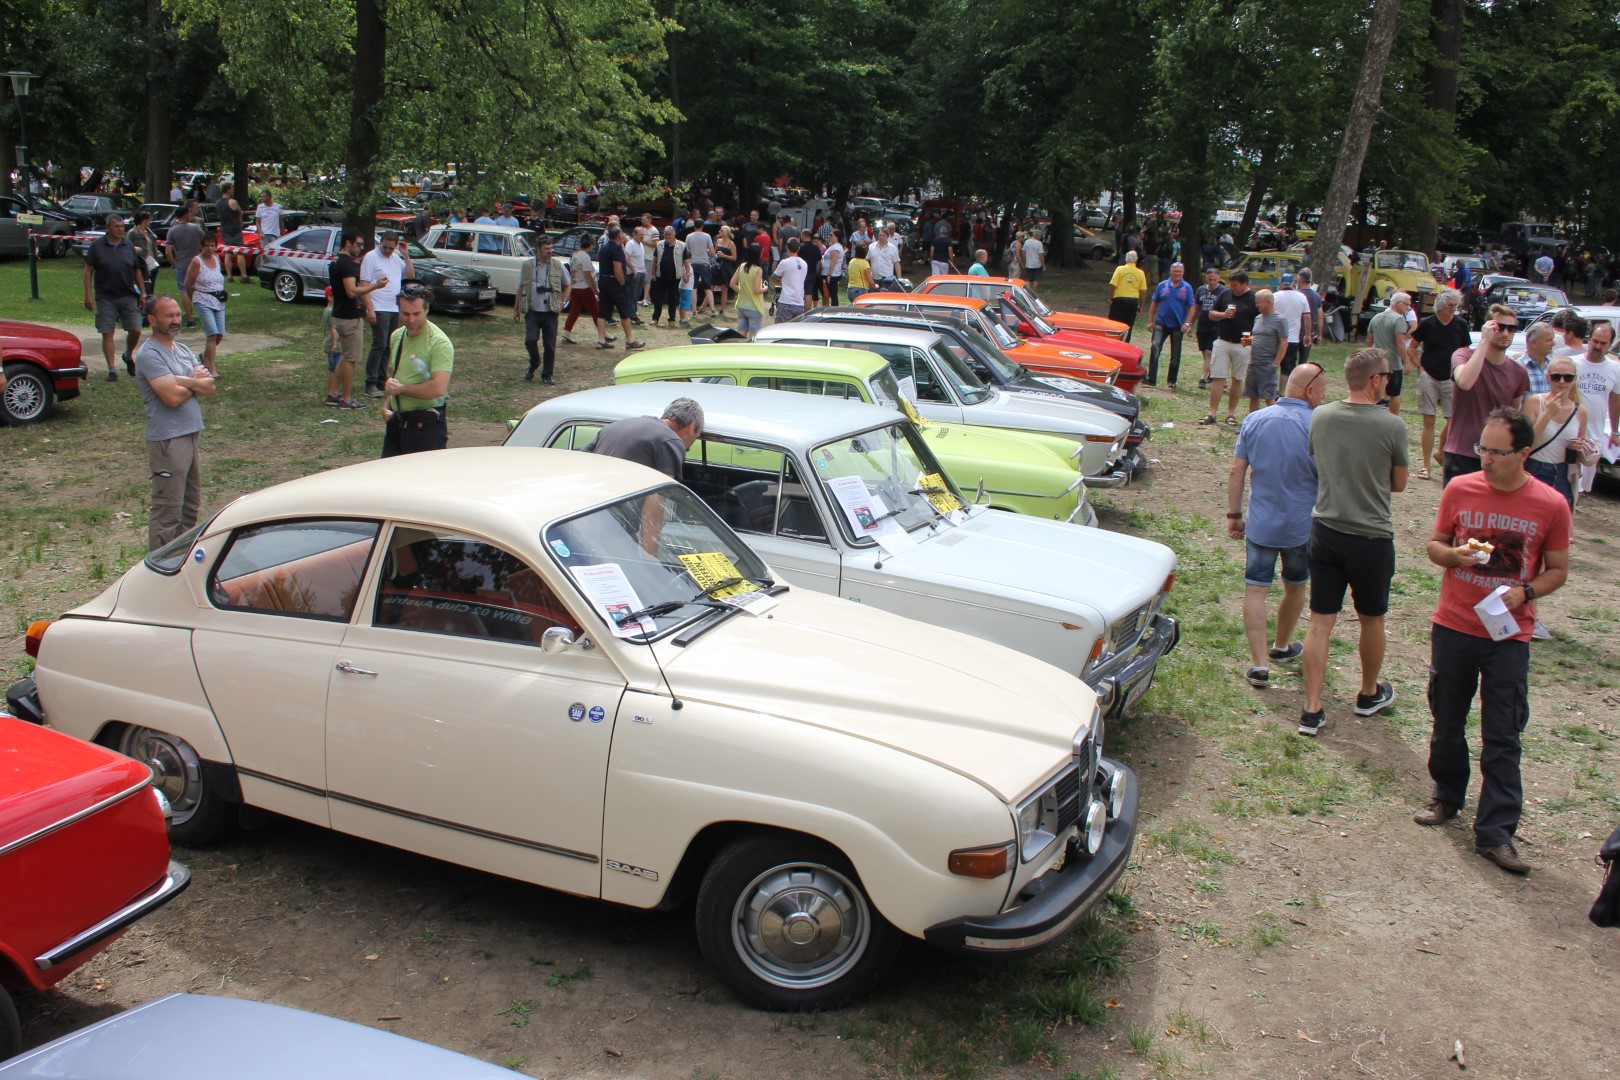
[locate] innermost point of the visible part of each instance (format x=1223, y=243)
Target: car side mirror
x=558, y=638
x=978, y=496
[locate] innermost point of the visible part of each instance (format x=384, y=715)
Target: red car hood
x=16, y=334
x=46, y=776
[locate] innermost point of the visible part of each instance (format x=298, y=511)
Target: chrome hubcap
x=176, y=771
x=801, y=925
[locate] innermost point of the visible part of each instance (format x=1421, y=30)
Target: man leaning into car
x=171, y=381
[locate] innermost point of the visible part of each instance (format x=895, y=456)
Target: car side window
x=491, y=244
x=575, y=436
x=436, y=582
x=457, y=240
x=820, y=387
x=317, y=241
x=304, y=569
x=950, y=288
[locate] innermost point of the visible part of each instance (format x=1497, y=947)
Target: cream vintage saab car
x=793, y=473
x=568, y=670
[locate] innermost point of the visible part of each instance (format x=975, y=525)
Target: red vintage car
x=84, y=853
x=991, y=288
x=42, y=365
x=1018, y=308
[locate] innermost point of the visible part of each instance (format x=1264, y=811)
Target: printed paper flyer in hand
x=869, y=515
x=611, y=593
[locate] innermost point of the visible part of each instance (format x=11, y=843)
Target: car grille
x=1068, y=792
x=1129, y=629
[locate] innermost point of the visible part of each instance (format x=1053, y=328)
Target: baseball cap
x=1288, y=279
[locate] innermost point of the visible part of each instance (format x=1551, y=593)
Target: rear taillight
x=36, y=634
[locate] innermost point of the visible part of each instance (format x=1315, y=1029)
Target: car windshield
x=882, y=482
x=990, y=355
x=1031, y=302
x=997, y=331
x=417, y=251
x=959, y=373
x=1530, y=296
x=655, y=561
x=1401, y=260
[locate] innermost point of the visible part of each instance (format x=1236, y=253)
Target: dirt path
x=193, y=338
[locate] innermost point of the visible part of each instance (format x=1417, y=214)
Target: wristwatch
x=1529, y=592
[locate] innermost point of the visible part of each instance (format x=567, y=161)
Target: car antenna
x=675, y=703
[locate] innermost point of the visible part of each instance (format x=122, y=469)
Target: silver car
x=299, y=266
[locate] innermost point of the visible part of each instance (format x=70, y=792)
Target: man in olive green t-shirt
x=1391, y=331
x=1360, y=452
x=420, y=359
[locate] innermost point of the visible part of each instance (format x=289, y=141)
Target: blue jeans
x=1160, y=332
x=212, y=319
x=1554, y=475
x=1260, y=564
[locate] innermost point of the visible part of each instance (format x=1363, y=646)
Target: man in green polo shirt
x=420, y=358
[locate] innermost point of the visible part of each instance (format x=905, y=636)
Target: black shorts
x=1392, y=388
x=1206, y=339
x=415, y=431
x=1363, y=563
x=617, y=301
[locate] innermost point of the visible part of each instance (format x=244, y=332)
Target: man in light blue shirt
x=1274, y=443
x=980, y=257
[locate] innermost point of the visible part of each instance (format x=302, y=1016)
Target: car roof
x=473, y=226
x=942, y=322
x=796, y=331
x=502, y=493
x=741, y=354
x=741, y=412
x=971, y=279
x=925, y=299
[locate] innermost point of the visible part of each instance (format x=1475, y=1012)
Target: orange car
x=984, y=317
x=991, y=288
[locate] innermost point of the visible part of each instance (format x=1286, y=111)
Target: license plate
x=1135, y=693
x=486, y=294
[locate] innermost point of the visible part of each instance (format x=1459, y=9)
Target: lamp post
x=19, y=87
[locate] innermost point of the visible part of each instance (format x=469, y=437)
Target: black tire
x=287, y=287
x=29, y=395
x=10, y=1027
x=198, y=814
x=62, y=245
x=1100, y=253
x=764, y=891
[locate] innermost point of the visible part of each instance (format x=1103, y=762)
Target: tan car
x=566, y=669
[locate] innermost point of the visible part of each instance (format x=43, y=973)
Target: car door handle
x=349, y=669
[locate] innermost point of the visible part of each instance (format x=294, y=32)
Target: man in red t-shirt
x=1526, y=525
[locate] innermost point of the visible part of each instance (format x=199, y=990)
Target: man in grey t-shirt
x=1391, y=332
x=171, y=381
x=660, y=444
x=1361, y=460
x=183, y=244
x=700, y=246
x=1268, y=341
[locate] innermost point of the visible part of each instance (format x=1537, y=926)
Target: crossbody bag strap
x=1554, y=435
x=395, y=373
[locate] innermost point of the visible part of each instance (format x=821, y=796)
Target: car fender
x=675, y=772
x=94, y=673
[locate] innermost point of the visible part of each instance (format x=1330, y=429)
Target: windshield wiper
x=651, y=611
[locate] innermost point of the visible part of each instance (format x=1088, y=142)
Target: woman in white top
x=649, y=244
x=205, y=285
x=832, y=269
x=1559, y=417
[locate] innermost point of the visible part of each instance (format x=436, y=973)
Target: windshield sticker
x=561, y=549
x=611, y=593
x=710, y=568
x=868, y=514
x=934, y=486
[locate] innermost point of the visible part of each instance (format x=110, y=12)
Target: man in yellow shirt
x=1127, y=288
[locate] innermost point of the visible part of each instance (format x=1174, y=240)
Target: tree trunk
x=159, y=166
x=1445, y=36
x=1257, y=195
x=365, y=138
x=1060, y=237
x=1195, y=209
x=671, y=46
x=1357, y=133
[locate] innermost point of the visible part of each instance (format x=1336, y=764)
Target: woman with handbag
x=1559, y=417
x=205, y=285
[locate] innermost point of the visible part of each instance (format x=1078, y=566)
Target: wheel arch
x=709, y=842
x=220, y=775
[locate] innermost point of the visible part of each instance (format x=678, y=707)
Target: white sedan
x=501, y=251
x=567, y=670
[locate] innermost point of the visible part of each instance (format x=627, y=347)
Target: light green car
x=1021, y=472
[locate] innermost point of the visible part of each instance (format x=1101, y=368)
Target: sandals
x=1232, y=420
x=1423, y=474
x=1208, y=421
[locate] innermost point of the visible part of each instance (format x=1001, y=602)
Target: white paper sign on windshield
x=868, y=514
x=611, y=593
x=908, y=389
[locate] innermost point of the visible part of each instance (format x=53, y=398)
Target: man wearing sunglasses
x=1361, y=460
x=1483, y=379
x=1525, y=524
x=421, y=358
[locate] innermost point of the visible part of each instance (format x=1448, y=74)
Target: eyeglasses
x=1560, y=376
x=1506, y=327
x=1490, y=451
x=1313, y=378
x=416, y=292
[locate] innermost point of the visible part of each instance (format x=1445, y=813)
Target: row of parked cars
x=857, y=578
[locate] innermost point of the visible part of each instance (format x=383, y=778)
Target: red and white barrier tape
x=223, y=249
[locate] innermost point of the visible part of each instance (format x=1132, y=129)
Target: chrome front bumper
x=171, y=885
x=1124, y=679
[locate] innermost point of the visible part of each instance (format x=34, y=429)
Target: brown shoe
x=1436, y=813
x=1504, y=856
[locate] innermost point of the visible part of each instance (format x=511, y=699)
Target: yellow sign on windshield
x=933, y=485
x=709, y=568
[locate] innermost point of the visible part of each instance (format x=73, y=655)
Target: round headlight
x=1096, y=822
x=1116, y=794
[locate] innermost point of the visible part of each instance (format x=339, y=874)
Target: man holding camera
x=544, y=289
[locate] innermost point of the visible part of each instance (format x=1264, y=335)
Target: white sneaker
x=1539, y=633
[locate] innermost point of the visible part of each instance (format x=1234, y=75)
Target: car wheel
x=786, y=924
x=10, y=1027
x=29, y=394
x=197, y=814
x=287, y=287
x=1099, y=253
